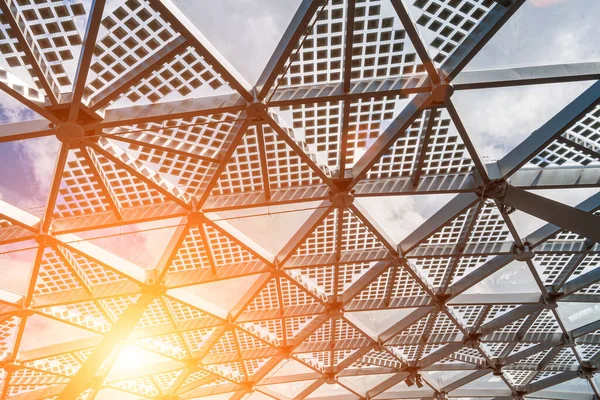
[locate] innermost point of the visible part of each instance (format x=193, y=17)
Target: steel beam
x=445, y=215
x=548, y=132
x=17, y=90
x=479, y=274
x=125, y=161
x=530, y=75
x=25, y=130
x=180, y=22
x=572, y=219
x=582, y=281
x=404, y=323
x=121, y=329
x=85, y=56
x=417, y=41
x=170, y=110
x=290, y=39
x=542, y=234
x=551, y=381
x=508, y=318
x=61, y=161
x=105, y=188
x=23, y=38
x=431, y=117
x=462, y=131
x=308, y=159
x=141, y=71
x=387, y=138
x=363, y=89
x=349, y=41
x=478, y=37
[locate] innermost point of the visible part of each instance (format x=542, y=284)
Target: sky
x=247, y=31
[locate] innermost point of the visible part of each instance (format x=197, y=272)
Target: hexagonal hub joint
x=196, y=218
x=69, y=132
x=472, y=340
x=587, y=372
x=247, y=387
x=523, y=253
x=550, y=304
x=568, y=341
x=25, y=312
x=154, y=290
x=230, y=322
x=277, y=272
x=10, y=366
x=256, y=111
x=497, y=370
x=45, y=240
x=442, y=92
x=342, y=199
x=493, y=190
x=441, y=396
x=441, y=299
x=335, y=310
x=331, y=378
x=518, y=395
x=378, y=346
x=285, y=351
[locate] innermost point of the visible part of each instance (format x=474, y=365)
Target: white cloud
x=41, y=155
x=245, y=31
x=545, y=3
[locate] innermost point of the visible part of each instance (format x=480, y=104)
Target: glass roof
x=300, y=199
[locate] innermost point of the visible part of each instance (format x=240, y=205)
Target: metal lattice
x=154, y=124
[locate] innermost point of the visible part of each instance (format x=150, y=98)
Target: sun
x=132, y=358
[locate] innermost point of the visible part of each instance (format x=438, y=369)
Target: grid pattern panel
x=225, y=251
x=133, y=32
x=322, y=239
x=293, y=312
x=80, y=193
x=185, y=73
x=192, y=253
x=52, y=36
x=585, y=132
x=451, y=21
x=243, y=171
x=322, y=126
x=285, y=167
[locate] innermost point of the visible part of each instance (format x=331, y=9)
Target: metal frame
x=191, y=158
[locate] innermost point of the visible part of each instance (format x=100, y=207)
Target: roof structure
x=154, y=124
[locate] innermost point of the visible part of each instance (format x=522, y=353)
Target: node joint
x=342, y=199
x=442, y=92
x=70, y=132
x=256, y=111
x=523, y=253
x=335, y=310
x=45, y=240
x=587, y=372
x=472, y=340
x=196, y=218
x=154, y=290
x=331, y=378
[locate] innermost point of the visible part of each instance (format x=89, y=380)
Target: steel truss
x=138, y=144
